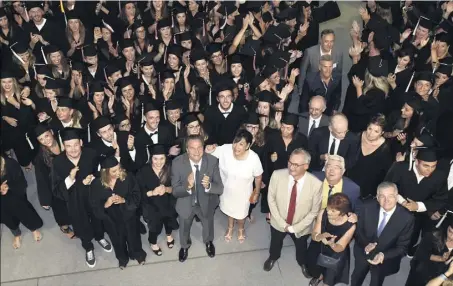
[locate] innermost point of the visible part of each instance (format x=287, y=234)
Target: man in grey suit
x=314, y=118
x=310, y=61
x=196, y=183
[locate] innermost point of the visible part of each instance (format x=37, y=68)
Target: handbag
x=327, y=261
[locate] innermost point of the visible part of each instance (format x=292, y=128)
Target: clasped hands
x=205, y=181
x=114, y=199
x=378, y=258
x=159, y=191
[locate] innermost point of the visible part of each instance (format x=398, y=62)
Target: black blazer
x=165, y=135
x=318, y=144
x=393, y=240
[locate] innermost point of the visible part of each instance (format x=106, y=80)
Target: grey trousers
x=207, y=224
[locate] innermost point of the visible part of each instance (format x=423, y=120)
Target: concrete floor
x=57, y=260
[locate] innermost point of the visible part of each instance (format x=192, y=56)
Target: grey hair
x=325, y=58
x=327, y=32
x=318, y=97
x=386, y=185
x=302, y=151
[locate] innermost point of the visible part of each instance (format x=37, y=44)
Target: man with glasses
x=294, y=200
x=382, y=236
x=108, y=139
x=332, y=140
x=315, y=117
x=222, y=121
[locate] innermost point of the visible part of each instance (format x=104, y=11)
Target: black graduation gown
x=15, y=207
x=15, y=137
x=432, y=191
x=126, y=160
x=156, y=208
x=276, y=144
x=396, y=98
x=120, y=220
x=51, y=33
x=44, y=187
x=15, y=34
x=220, y=129
x=165, y=135
x=364, y=108
x=77, y=196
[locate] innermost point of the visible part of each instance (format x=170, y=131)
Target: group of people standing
x=164, y=112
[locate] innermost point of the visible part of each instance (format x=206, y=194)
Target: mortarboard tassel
x=416, y=27
x=204, y=28
x=443, y=218
x=89, y=133
x=254, y=58
x=88, y=92
x=143, y=114
x=26, y=12
x=176, y=129
x=210, y=92
x=155, y=32
x=108, y=26
x=411, y=159
x=172, y=20
x=60, y=140
x=165, y=55
x=165, y=110
x=29, y=142
x=410, y=81
x=105, y=75
x=44, y=55
x=16, y=55
x=34, y=70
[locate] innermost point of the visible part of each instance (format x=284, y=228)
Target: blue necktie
x=382, y=224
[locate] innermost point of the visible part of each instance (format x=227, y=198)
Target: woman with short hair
x=331, y=236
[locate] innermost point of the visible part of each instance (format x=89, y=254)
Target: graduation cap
x=290, y=119
x=97, y=86
x=70, y=133
x=287, y=14
x=227, y=8
x=444, y=38
x=146, y=59
x=178, y=8
x=157, y=149
x=6, y=74
x=35, y=4
x=89, y=51
x=109, y=160
x=42, y=128
x=252, y=118
x=425, y=23
x=256, y=81
x=424, y=135
x=377, y=66
x=415, y=103
x=172, y=105
x=446, y=69
x=66, y=102
x=127, y=43
x=72, y=14
x=166, y=74
x=137, y=24
x=166, y=22
x=78, y=67
x=101, y=122
x=150, y=106
x=107, y=25
x=279, y=59
x=52, y=84
x=234, y=59
x=254, y=6
x=2, y=12
x=229, y=33
x=197, y=55
x=124, y=81
x=427, y=155
x=111, y=69
x=267, y=17
x=449, y=220
x=45, y=70
x=213, y=48
x=267, y=96
x=425, y=75
x=176, y=50
x=19, y=47
x=224, y=84
x=120, y=117
x=276, y=34
x=184, y=36
x=189, y=117
x=268, y=71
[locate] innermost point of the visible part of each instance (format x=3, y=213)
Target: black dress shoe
x=269, y=264
x=189, y=242
x=305, y=272
x=183, y=253
x=210, y=249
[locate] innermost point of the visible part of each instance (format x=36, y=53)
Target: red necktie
x=292, y=204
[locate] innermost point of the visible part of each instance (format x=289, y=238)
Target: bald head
x=338, y=126
x=317, y=106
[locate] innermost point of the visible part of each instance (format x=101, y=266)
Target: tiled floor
x=57, y=260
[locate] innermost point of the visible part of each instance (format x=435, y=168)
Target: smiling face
x=327, y=42
x=173, y=61
x=129, y=53
x=193, y=128
x=441, y=78
x=73, y=148
x=147, y=70
x=173, y=115
x=236, y=70
x=55, y=58
x=64, y=114
x=326, y=68
x=46, y=139
x=115, y=172
x=128, y=92
x=152, y=119
x=217, y=58
x=225, y=99
x=7, y=84
x=195, y=150
x=334, y=171
x=107, y=133
x=264, y=108
x=274, y=79
x=158, y=161
x=201, y=66
x=422, y=87
x=403, y=61
x=387, y=198
x=373, y=132
x=240, y=147
x=106, y=34
x=36, y=14
x=265, y=85
x=74, y=25
x=169, y=84
x=425, y=168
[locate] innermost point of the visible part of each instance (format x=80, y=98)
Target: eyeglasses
x=290, y=164
x=253, y=127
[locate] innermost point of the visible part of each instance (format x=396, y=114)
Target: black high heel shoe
x=170, y=244
x=157, y=252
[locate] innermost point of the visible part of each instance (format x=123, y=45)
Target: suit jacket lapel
x=283, y=186
x=388, y=227
x=374, y=221
x=204, y=165
x=186, y=165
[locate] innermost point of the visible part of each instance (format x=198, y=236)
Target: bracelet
x=443, y=277
x=316, y=236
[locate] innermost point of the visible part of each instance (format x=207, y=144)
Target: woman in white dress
x=239, y=167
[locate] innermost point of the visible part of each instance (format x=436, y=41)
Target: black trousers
x=264, y=204
x=166, y=222
x=126, y=241
x=423, y=225
x=277, y=238
x=361, y=269
x=60, y=212
x=98, y=231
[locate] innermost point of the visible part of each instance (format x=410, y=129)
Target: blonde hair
x=75, y=119
x=64, y=65
x=31, y=61
x=70, y=36
x=16, y=91
x=375, y=82
x=105, y=177
x=337, y=158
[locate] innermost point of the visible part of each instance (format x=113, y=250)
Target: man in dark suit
x=314, y=118
x=334, y=140
x=154, y=132
x=322, y=82
x=196, y=183
x=334, y=181
x=383, y=233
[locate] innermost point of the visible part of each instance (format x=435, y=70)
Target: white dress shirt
x=421, y=205
x=322, y=53
x=337, y=144
x=39, y=27
x=228, y=111
x=300, y=186
x=109, y=144
x=310, y=122
x=381, y=215
x=65, y=125
x=155, y=137
x=194, y=170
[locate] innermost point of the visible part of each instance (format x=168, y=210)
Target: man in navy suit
x=334, y=182
x=383, y=233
